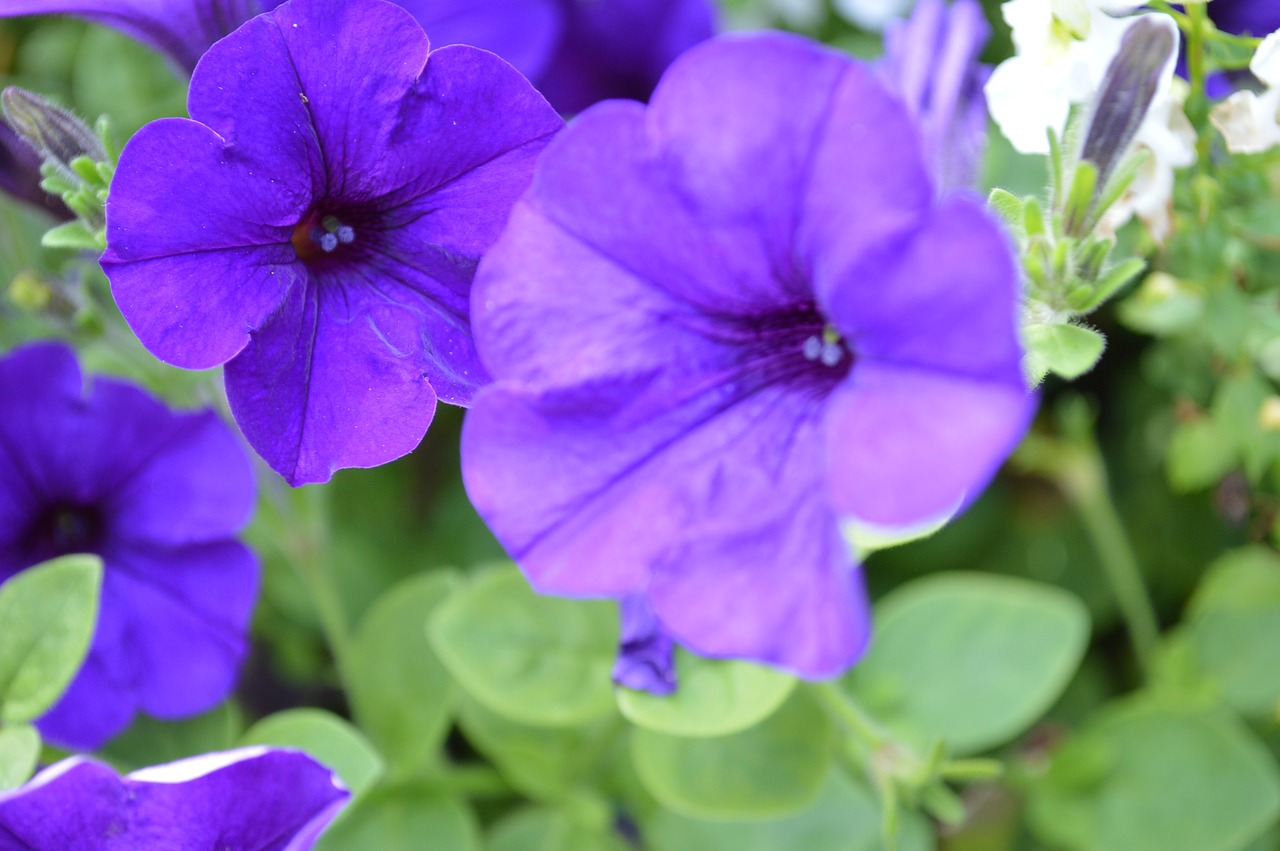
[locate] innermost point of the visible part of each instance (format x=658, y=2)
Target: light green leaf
x=47, y=618
x=544, y=829
x=845, y=817
x=400, y=692
x=1162, y=305
x=19, y=753
x=771, y=770
x=535, y=659
x=1066, y=350
x=1200, y=454
x=1234, y=625
x=1145, y=776
x=542, y=762
x=970, y=658
x=76, y=236
x=403, y=818
x=715, y=697
x=327, y=738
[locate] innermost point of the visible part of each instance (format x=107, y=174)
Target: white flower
x=872, y=14
x=1063, y=49
x=1248, y=121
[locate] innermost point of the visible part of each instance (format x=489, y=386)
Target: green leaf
x=76, y=236
x=149, y=741
x=544, y=829
x=1200, y=454
x=326, y=737
x=537, y=660
x=19, y=753
x=544, y=763
x=973, y=659
x=1234, y=626
x=1008, y=207
x=400, y=692
x=771, y=770
x=845, y=817
x=715, y=697
x=1066, y=350
x=1159, y=778
x=47, y=617
x=403, y=818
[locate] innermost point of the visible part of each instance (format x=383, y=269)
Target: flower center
x=318, y=236
x=65, y=528
x=827, y=348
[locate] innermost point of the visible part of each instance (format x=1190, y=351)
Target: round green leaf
x=403, y=818
x=715, y=697
x=846, y=817
x=19, y=752
x=1234, y=625
x=1066, y=350
x=543, y=829
x=47, y=618
x=399, y=690
x=542, y=762
x=970, y=658
x=326, y=737
x=1150, y=777
x=767, y=771
x=538, y=660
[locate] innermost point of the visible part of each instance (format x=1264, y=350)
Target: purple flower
x=576, y=52
x=646, y=654
x=159, y=496
x=931, y=62
x=253, y=799
x=619, y=48
x=1253, y=17
x=317, y=225
x=20, y=174
x=721, y=326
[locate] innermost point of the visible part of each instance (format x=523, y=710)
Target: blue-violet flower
x=316, y=226
x=160, y=497
x=253, y=799
x=724, y=324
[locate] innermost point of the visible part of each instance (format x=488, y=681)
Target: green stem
x=840, y=704
x=1198, y=101
x=311, y=561
x=1077, y=467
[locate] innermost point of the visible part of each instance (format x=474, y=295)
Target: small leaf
x=1066, y=350
x=47, y=618
x=1200, y=454
x=771, y=770
x=403, y=818
x=971, y=659
x=1162, y=305
x=715, y=697
x=19, y=753
x=545, y=829
x=1008, y=207
x=76, y=236
x=399, y=690
x=327, y=738
x=535, y=659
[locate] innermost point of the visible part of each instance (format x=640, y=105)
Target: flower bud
x=56, y=134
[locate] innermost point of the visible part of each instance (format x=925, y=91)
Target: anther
x=813, y=348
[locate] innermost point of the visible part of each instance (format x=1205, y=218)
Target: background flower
x=159, y=496
x=318, y=231
x=254, y=799
x=722, y=324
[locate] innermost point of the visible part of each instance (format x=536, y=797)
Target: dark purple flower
x=254, y=799
x=931, y=62
x=619, y=48
x=20, y=174
x=576, y=52
x=646, y=654
x=317, y=225
x=159, y=496
x=1257, y=18
x=721, y=326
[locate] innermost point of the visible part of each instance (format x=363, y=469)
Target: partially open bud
x=57, y=135
x=1132, y=81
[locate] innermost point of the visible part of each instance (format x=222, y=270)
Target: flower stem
x=310, y=560
x=842, y=705
x=1076, y=466
x=1198, y=103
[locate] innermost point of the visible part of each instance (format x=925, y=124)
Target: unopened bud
x=1132, y=80
x=56, y=134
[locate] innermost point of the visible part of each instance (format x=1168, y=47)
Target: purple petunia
x=317, y=225
x=160, y=497
x=253, y=799
x=725, y=324
x=931, y=62
x=575, y=52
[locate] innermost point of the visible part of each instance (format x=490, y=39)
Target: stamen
x=813, y=348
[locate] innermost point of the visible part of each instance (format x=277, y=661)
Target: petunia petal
x=316, y=391
x=523, y=32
